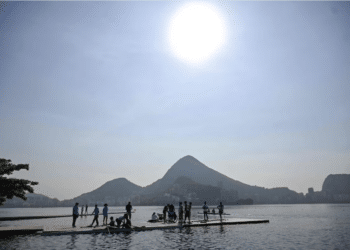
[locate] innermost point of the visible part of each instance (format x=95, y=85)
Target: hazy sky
x=93, y=91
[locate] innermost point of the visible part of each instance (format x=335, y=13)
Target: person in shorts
x=205, y=211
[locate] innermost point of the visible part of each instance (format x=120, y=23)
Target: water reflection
x=93, y=240
x=71, y=243
x=222, y=229
x=205, y=229
x=126, y=238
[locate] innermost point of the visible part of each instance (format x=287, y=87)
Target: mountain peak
x=188, y=157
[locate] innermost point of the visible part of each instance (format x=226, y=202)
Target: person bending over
x=119, y=220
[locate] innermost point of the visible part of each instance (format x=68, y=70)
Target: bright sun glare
x=196, y=32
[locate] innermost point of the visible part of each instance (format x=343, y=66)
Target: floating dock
x=106, y=229
x=46, y=217
x=8, y=231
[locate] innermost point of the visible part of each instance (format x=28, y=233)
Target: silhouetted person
x=105, y=214
x=165, y=211
x=82, y=211
x=205, y=210
x=154, y=217
x=213, y=211
x=128, y=209
x=171, y=214
x=111, y=223
x=221, y=210
x=187, y=211
x=127, y=222
x=181, y=212
x=75, y=213
x=86, y=209
x=119, y=220
x=95, y=212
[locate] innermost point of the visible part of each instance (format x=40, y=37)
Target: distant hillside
x=189, y=179
x=190, y=167
x=336, y=184
x=33, y=200
x=183, y=189
x=115, y=192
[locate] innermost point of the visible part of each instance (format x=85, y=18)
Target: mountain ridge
x=186, y=179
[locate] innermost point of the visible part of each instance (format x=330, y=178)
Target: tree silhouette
x=10, y=187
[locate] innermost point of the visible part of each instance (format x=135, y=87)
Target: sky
x=94, y=91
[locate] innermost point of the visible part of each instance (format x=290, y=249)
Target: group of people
x=169, y=210
x=206, y=210
x=82, y=210
x=125, y=218
x=184, y=213
x=122, y=221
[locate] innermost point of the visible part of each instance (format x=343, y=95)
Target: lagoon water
x=301, y=226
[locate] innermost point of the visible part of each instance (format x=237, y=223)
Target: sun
x=196, y=32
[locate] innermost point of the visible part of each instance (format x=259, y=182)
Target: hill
x=190, y=167
x=33, y=200
x=114, y=192
x=336, y=184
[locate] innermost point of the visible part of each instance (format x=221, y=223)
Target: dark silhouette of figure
x=221, y=210
x=120, y=220
x=128, y=209
x=188, y=211
x=171, y=214
x=75, y=213
x=105, y=214
x=82, y=211
x=86, y=209
x=127, y=222
x=165, y=211
x=205, y=211
x=181, y=212
x=111, y=223
x=95, y=212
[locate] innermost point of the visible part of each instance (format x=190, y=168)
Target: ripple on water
x=323, y=226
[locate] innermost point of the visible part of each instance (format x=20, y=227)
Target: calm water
x=318, y=226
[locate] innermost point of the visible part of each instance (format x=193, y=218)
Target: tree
x=10, y=187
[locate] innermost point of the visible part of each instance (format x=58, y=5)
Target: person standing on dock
x=205, y=210
x=105, y=214
x=86, y=209
x=96, y=212
x=75, y=213
x=221, y=210
x=181, y=212
x=128, y=209
x=188, y=211
x=165, y=211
